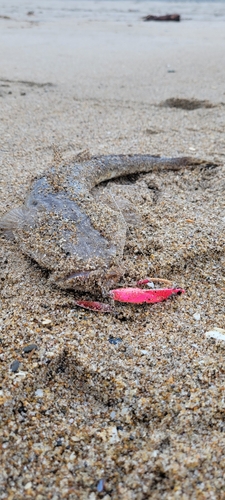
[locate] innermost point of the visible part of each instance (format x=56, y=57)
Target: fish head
x=80, y=250
x=89, y=280
x=76, y=255
x=83, y=258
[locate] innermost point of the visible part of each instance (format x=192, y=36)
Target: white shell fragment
x=39, y=393
x=217, y=333
x=46, y=322
x=113, y=435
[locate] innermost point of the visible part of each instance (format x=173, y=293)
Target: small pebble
x=100, y=486
x=114, y=438
x=29, y=348
x=150, y=285
x=14, y=366
x=28, y=486
x=46, y=322
x=114, y=341
x=197, y=316
x=59, y=442
x=75, y=438
x=39, y=393
x=112, y=414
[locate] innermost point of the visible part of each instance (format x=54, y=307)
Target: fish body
x=62, y=226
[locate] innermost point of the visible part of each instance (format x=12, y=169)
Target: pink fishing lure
x=139, y=296
x=94, y=306
x=131, y=295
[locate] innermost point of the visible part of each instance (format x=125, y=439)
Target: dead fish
x=79, y=239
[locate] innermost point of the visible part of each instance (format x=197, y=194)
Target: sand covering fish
x=69, y=232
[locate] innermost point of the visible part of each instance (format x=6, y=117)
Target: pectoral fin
x=16, y=219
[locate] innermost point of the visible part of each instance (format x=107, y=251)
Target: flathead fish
x=62, y=226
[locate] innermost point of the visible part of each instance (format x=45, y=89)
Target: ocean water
x=80, y=43
x=128, y=11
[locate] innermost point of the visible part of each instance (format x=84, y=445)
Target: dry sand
x=142, y=417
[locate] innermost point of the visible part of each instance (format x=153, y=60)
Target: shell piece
x=216, y=333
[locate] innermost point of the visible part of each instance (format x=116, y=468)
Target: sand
x=127, y=405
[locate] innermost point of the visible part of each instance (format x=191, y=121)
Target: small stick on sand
x=167, y=17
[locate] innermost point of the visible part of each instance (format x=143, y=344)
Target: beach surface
x=127, y=405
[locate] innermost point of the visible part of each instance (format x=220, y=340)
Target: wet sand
x=131, y=405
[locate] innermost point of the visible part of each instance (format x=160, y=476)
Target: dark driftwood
x=167, y=17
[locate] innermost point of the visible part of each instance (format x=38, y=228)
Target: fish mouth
x=102, y=279
x=81, y=280
x=89, y=280
x=110, y=275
